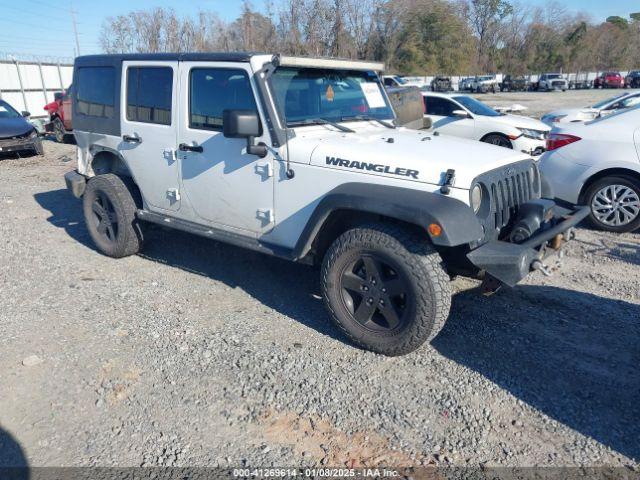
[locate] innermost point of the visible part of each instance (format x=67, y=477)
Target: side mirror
x=427, y=123
x=460, y=113
x=244, y=124
x=241, y=124
x=25, y=114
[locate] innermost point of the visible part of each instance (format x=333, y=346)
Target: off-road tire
x=419, y=266
x=595, y=187
x=126, y=237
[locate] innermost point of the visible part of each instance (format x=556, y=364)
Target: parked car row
x=520, y=83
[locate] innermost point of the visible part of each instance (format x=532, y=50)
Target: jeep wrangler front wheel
x=110, y=214
x=385, y=288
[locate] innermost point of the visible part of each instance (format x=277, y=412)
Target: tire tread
x=422, y=260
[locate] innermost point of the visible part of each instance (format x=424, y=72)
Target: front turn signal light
x=435, y=230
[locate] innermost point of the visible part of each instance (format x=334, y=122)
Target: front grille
x=557, y=83
x=508, y=194
x=507, y=188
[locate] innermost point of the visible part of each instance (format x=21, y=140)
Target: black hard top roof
x=181, y=57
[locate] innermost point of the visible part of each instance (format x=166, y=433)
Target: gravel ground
x=199, y=353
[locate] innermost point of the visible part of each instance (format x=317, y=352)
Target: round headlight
x=476, y=198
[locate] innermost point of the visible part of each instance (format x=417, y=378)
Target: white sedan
x=597, y=163
x=464, y=116
x=605, y=107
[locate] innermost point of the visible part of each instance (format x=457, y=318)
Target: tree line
x=412, y=37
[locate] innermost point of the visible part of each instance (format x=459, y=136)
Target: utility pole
x=75, y=28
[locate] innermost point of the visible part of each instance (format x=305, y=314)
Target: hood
x=520, y=121
x=400, y=153
x=13, y=127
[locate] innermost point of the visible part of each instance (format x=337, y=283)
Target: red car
x=609, y=80
x=60, y=116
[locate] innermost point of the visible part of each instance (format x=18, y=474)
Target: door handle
x=184, y=147
x=131, y=139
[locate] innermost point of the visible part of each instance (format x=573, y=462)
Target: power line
x=21, y=10
x=26, y=24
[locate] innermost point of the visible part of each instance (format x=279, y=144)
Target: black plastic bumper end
x=76, y=183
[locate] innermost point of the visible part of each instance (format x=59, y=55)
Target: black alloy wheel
x=105, y=218
x=375, y=294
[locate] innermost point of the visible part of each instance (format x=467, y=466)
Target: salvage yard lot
x=199, y=353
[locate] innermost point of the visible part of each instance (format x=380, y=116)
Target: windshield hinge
x=449, y=180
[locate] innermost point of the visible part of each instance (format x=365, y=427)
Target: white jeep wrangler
x=300, y=158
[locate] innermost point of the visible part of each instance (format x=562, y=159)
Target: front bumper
x=508, y=263
x=10, y=145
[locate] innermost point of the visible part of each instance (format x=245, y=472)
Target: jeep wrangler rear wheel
x=110, y=214
x=385, y=288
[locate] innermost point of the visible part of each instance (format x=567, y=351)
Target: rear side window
x=213, y=90
x=149, y=92
x=96, y=91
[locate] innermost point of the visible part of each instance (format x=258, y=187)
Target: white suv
x=300, y=158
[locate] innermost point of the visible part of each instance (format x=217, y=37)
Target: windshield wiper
x=321, y=121
x=371, y=119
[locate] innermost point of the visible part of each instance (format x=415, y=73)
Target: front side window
x=149, y=92
x=439, y=106
x=96, y=91
x=309, y=95
x=213, y=90
x=475, y=106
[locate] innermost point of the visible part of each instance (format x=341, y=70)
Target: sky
x=44, y=27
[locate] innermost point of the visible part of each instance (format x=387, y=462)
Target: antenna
x=75, y=27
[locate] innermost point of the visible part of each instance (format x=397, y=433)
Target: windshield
x=551, y=76
x=7, y=111
x=484, y=79
x=607, y=101
x=475, y=106
x=308, y=94
x=400, y=80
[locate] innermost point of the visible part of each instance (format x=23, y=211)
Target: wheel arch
x=607, y=172
x=356, y=203
x=501, y=134
x=341, y=220
x=104, y=160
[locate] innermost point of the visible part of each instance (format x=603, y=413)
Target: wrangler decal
x=374, y=167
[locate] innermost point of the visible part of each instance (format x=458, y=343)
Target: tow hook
x=538, y=265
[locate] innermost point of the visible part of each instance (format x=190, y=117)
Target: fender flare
x=459, y=224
